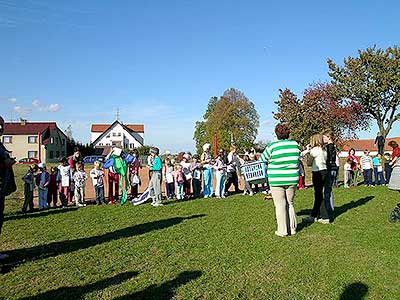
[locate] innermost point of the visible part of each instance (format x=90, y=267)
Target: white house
x=118, y=135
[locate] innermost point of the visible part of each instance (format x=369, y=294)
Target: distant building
x=40, y=140
x=361, y=145
x=105, y=136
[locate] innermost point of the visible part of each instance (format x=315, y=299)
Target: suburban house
x=361, y=145
x=126, y=136
x=41, y=140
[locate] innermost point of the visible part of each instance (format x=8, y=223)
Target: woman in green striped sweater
x=283, y=176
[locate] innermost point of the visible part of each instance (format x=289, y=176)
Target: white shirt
x=319, y=159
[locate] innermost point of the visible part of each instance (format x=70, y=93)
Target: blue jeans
x=99, y=191
x=208, y=176
x=380, y=175
x=367, y=177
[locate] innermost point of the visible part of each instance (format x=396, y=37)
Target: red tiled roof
x=103, y=127
x=28, y=128
x=361, y=145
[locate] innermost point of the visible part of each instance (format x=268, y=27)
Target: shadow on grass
x=354, y=291
x=38, y=214
x=78, y=292
x=19, y=256
x=337, y=212
x=165, y=291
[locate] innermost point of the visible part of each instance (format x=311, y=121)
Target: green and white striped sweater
x=283, y=162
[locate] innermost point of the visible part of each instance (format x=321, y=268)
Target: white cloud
x=12, y=100
x=36, y=103
x=50, y=108
x=21, y=110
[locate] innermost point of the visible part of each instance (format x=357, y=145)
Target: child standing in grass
x=247, y=187
x=42, y=181
x=378, y=170
x=52, y=194
x=64, y=180
x=366, y=168
x=29, y=186
x=80, y=178
x=195, y=168
x=220, y=174
x=388, y=167
x=179, y=180
x=347, y=168
x=168, y=171
x=97, y=175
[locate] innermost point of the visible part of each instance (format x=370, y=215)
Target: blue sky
x=159, y=62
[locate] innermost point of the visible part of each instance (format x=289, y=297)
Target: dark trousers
x=2, y=200
x=134, y=190
x=378, y=176
x=52, y=196
x=196, y=184
x=331, y=177
x=170, y=188
x=187, y=187
x=319, y=182
x=232, y=178
x=99, y=191
x=388, y=173
x=28, y=198
x=64, y=195
x=381, y=148
x=367, y=176
x=113, y=184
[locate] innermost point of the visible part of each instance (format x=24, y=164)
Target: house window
x=108, y=136
x=114, y=134
x=51, y=155
x=7, y=139
x=114, y=144
x=100, y=144
x=131, y=146
x=32, y=139
x=62, y=142
x=51, y=140
x=32, y=154
x=119, y=134
x=57, y=153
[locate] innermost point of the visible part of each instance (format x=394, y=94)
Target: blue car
x=87, y=160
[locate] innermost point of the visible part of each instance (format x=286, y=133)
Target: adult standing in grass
x=233, y=164
x=206, y=160
x=7, y=181
x=332, y=168
x=283, y=175
x=319, y=179
x=395, y=153
x=355, y=166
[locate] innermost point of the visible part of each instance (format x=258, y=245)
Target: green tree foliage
x=320, y=109
x=373, y=80
x=232, y=117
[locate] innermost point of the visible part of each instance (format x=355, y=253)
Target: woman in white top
x=319, y=177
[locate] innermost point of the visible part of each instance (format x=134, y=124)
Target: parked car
x=92, y=158
x=28, y=161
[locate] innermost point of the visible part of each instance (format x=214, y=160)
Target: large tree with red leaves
x=320, y=109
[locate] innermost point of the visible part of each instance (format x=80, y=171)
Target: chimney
x=23, y=121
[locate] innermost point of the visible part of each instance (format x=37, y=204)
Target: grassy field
x=203, y=249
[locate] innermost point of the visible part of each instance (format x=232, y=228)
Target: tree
x=232, y=117
x=320, y=109
x=373, y=80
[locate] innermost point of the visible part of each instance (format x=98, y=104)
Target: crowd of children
x=184, y=177
x=372, y=169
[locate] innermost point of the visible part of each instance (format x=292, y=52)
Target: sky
x=159, y=62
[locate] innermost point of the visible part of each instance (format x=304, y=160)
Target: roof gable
x=361, y=145
x=28, y=128
x=127, y=130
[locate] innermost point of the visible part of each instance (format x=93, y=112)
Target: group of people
x=285, y=169
x=66, y=182
x=192, y=176
x=379, y=166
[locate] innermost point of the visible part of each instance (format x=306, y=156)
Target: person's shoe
x=323, y=221
x=157, y=204
x=251, y=194
x=3, y=256
x=80, y=205
x=309, y=219
x=280, y=234
x=244, y=193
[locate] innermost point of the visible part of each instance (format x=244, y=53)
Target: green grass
x=203, y=249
